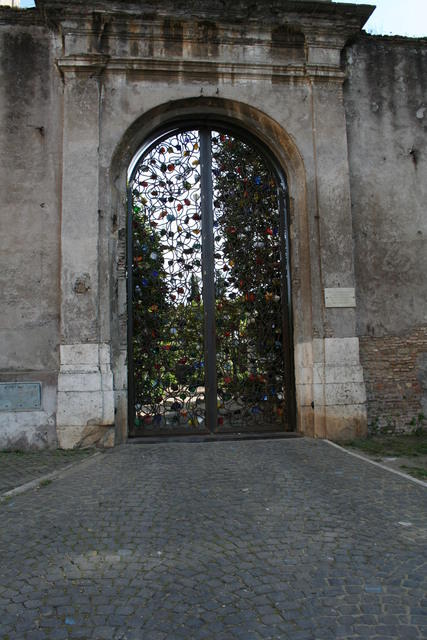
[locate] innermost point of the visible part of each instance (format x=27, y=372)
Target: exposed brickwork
x=394, y=378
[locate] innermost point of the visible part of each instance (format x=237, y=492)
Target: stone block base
x=330, y=389
x=85, y=413
x=345, y=422
x=81, y=437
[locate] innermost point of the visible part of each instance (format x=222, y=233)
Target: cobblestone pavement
x=17, y=467
x=221, y=541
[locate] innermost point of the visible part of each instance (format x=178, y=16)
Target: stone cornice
x=305, y=39
x=262, y=12
x=189, y=45
x=343, y=20
x=95, y=64
x=154, y=30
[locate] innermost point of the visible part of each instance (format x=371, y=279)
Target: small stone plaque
x=20, y=396
x=340, y=297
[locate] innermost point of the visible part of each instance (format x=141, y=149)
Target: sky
x=397, y=17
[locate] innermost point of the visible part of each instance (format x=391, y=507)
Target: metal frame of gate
x=205, y=128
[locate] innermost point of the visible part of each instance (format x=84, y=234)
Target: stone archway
x=120, y=85
x=287, y=159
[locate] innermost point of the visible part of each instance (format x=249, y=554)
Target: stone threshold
x=215, y=437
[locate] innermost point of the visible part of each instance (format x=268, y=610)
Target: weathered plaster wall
x=30, y=164
x=386, y=109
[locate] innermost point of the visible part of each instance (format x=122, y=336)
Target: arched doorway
x=209, y=311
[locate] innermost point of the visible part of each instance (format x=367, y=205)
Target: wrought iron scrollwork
x=249, y=248
x=167, y=302
x=167, y=290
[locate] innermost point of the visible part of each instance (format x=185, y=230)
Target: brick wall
x=395, y=375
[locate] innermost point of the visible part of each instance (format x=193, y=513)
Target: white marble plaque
x=340, y=297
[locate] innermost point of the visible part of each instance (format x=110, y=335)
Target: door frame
x=205, y=126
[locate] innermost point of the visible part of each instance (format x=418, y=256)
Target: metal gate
x=209, y=318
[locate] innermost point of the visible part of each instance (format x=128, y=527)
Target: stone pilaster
x=331, y=380
x=85, y=413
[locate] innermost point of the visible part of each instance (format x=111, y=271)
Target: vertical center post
x=208, y=275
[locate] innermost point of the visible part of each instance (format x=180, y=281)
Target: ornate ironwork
x=167, y=302
x=245, y=225
x=250, y=293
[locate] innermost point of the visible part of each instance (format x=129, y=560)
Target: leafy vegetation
x=410, y=446
x=417, y=472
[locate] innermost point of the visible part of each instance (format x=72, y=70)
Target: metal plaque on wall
x=20, y=396
x=340, y=297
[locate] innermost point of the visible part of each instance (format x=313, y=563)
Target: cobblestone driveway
x=17, y=467
x=247, y=540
